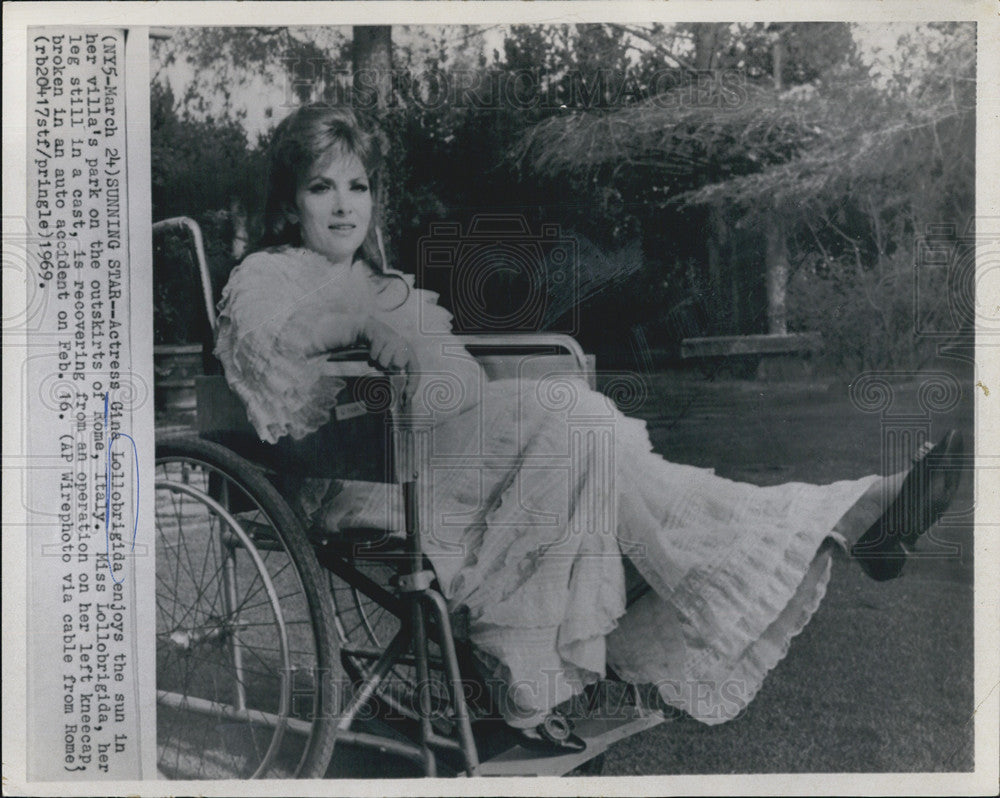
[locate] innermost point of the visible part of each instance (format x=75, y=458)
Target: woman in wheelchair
x=535, y=491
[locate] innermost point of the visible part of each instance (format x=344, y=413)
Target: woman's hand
x=323, y=331
x=391, y=352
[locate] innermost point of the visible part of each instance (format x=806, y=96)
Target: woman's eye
x=359, y=187
x=318, y=188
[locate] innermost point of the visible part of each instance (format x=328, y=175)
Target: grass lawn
x=881, y=679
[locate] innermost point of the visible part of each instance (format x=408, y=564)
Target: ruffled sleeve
x=413, y=310
x=450, y=379
x=267, y=309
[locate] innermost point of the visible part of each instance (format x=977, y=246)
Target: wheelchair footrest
x=598, y=732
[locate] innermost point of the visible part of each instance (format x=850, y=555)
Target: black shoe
x=554, y=736
x=925, y=494
x=937, y=480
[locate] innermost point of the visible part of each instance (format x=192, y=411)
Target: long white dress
x=532, y=492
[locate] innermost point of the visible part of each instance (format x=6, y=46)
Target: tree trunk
x=723, y=298
x=241, y=236
x=706, y=42
x=777, y=276
x=717, y=265
x=372, y=57
x=778, y=57
x=372, y=65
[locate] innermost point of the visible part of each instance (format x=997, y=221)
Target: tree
x=815, y=156
x=372, y=55
x=788, y=151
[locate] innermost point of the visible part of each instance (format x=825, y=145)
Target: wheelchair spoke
x=161, y=539
x=193, y=659
x=163, y=612
x=177, y=565
x=200, y=594
x=182, y=543
x=245, y=607
x=236, y=623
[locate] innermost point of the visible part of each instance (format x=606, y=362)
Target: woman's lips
x=341, y=228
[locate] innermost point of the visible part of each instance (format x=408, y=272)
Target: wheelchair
x=280, y=644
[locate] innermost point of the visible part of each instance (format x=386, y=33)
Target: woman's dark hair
x=306, y=135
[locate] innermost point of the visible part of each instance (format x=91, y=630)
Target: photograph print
x=555, y=399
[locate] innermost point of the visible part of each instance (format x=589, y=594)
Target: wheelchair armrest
x=554, y=341
x=530, y=354
x=351, y=362
x=502, y=355
x=350, y=354
x=498, y=340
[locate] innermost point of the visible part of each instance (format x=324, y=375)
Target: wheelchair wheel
x=245, y=633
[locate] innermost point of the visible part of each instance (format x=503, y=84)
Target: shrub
x=866, y=315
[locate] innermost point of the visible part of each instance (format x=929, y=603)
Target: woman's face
x=333, y=207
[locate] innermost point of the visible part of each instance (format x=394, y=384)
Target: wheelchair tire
x=246, y=633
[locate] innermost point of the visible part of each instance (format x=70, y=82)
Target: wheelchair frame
x=250, y=515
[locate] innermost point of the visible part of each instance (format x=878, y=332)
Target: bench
x=753, y=349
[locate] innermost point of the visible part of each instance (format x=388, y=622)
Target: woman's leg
x=869, y=508
x=895, y=510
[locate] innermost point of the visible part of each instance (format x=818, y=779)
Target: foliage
x=177, y=299
x=201, y=168
x=228, y=69
x=619, y=132
x=864, y=314
x=853, y=168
